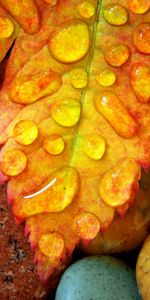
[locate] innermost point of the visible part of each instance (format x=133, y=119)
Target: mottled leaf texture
x=74, y=119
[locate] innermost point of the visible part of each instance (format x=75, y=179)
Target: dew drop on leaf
x=6, y=27
x=116, y=55
x=116, y=14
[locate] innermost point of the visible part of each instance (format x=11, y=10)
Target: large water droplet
x=27, y=89
x=111, y=107
x=71, y=42
x=54, y=195
x=117, y=185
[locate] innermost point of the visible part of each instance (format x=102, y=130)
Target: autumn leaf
x=9, y=30
x=74, y=120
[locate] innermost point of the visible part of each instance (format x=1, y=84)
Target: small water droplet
x=13, y=162
x=54, y=144
x=139, y=6
x=106, y=77
x=86, y=225
x=116, y=14
x=142, y=38
x=25, y=132
x=78, y=78
x=94, y=146
x=51, y=244
x=66, y=112
x=140, y=81
x=117, y=54
x=86, y=9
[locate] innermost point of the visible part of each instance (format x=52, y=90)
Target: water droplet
x=106, y=77
x=117, y=185
x=86, y=9
x=66, y=112
x=139, y=6
x=71, y=42
x=140, y=81
x=51, y=244
x=25, y=132
x=111, y=107
x=116, y=14
x=142, y=38
x=86, y=225
x=116, y=55
x=25, y=13
x=78, y=78
x=59, y=190
x=54, y=145
x=6, y=27
x=27, y=89
x=94, y=146
x=13, y=162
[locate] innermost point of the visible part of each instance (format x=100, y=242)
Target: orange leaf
x=74, y=123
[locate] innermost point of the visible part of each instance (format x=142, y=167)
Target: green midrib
x=74, y=143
